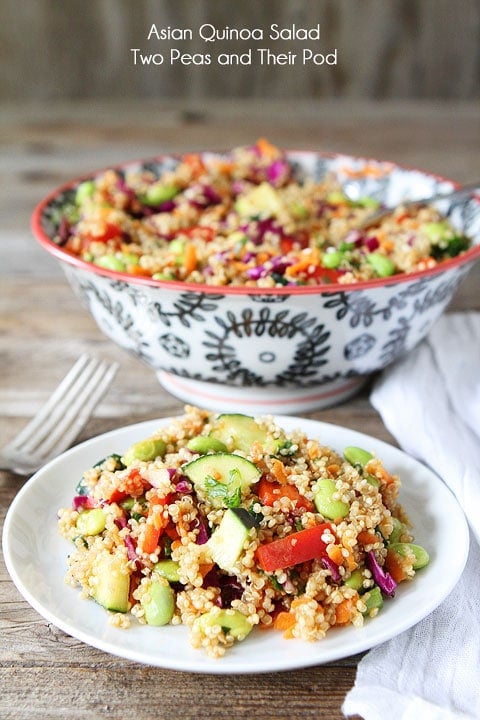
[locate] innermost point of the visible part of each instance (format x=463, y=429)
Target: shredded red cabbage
x=278, y=172
x=82, y=501
x=328, y=564
x=63, y=230
x=230, y=589
x=382, y=578
x=355, y=237
x=126, y=189
x=257, y=272
x=256, y=230
x=372, y=244
x=183, y=486
x=121, y=523
x=202, y=535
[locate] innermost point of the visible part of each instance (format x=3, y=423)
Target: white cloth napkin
x=430, y=402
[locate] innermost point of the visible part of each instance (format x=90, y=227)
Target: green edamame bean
x=336, y=197
x=159, y=603
x=91, y=522
x=368, y=202
x=422, y=557
x=373, y=599
x=332, y=260
x=128, y=258
x=84, y=191
x=232, y=620
x=168, y=569
x=437, y=231
x=144, y=450
x=397, y=532
x=111, y=262
x=372, y=480
x=383, y=266
x=163, y=276
x=157, y=194
x=325, y=502
x=357, y=456
x=204, y=443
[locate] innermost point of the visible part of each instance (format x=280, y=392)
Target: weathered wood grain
x=385, y=49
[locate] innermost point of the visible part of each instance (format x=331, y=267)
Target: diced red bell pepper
x=326, y=275
x=269, y=491
x=203, y=232
x=110, y=232
x=294, y=549
x=155, y=524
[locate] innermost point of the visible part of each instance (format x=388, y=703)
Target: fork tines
x=65, y=413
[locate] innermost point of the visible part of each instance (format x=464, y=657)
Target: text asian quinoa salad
x=225, y=523
x=245, y=219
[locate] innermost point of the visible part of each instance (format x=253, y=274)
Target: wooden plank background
x=76, y=49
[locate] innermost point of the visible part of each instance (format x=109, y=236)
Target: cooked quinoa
x=227, y=522
x=245, y=219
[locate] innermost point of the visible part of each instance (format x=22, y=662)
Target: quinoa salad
x=227, y=524
x=245, y=219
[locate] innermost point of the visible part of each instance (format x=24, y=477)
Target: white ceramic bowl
x=283, y=350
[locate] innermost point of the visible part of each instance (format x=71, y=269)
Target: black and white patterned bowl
x=287, y=349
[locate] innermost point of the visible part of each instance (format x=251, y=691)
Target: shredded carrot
x=368, y=170
x=155, y=524
x=344, y=611
x=285, y=621
x=306, y=259
x=138, y=271
x=387, y=245
x=350, y=559
x=395, y=565
x=334, y=552
x=299, y=601
x=333, y=470
x=313, y=450
x=195, y=163
x=190, y=258
x=367, y=538
x=205, y=568
x=376, y=468
x=279, y=471
x=266, y=148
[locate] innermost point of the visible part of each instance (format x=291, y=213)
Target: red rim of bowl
x=60, y=253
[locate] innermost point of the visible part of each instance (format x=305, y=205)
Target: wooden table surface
x=45, y=673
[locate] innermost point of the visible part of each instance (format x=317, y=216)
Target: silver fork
x=63, y=416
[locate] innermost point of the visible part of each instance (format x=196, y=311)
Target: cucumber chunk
x=355, y=580
x=221, y=477
x=167, y=569
x=113, y=584
x=237, y=431
x=91, y=522
x=231, y=621
x=227, y=542
x=373, y=600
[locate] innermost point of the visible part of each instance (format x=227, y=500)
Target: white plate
x=36, y=559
